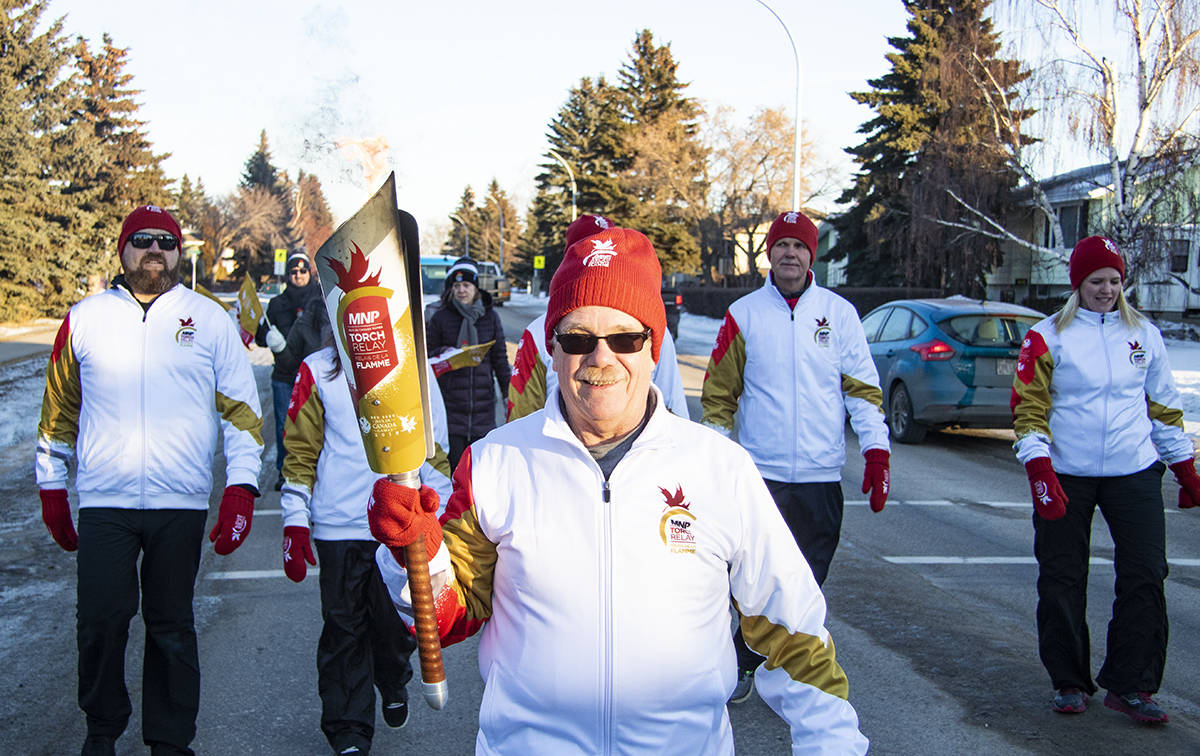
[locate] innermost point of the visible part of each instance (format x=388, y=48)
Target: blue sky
x=461, y=91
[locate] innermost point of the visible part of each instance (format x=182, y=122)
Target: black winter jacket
x=283, y=311
x=468, y=393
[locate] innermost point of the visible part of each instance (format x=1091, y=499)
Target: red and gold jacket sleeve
x=527, y=388
x=724, y=379
x=58, y=426
x=303, y=439
x=1031, y=400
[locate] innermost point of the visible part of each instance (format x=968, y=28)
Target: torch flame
x=370, y=153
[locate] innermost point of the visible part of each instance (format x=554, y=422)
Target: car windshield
x=989, y=330
x=433, y=277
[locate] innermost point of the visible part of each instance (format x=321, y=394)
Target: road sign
x=539, y=262
x=280, y=261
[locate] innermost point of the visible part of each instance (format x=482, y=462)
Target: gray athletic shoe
x=744, y=687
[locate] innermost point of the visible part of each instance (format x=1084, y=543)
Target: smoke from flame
x=370, y=153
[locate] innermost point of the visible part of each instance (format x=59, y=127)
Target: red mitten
x=1189, y=483
x=297, y=550
x=1048, y=497
x=399, y=515
x=233, y=520
x=877, y=477
x=56, y=513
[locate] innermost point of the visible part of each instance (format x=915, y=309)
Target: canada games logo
x=677, y=524
x=186, y=335
x=823, y=336
x=1137, y=356
x=603, y=251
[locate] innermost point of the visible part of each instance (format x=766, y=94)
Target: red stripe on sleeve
x=527, y=358
x=729, y=331
x=301, y=390
x=1033, y=347
x=60, y=339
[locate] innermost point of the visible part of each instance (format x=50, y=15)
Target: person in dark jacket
x=303, y=292
x=465, y=318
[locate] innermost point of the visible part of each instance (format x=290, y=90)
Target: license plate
x=1006, y=367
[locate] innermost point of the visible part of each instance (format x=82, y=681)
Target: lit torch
x=370, y=276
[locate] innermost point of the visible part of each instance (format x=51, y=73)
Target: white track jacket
x=1098, y=399
x=604, y=605
x=786, y=379
x=325, y=471
x=138, y=398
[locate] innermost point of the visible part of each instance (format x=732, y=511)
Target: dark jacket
x=283, y=311
x=468, y=393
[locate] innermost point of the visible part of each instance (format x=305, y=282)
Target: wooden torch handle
x=420, y=589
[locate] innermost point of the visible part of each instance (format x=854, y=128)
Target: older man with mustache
x=142, y=380
x=596, y=544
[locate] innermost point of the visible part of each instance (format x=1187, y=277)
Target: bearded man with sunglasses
x=597, y=542
x=142, y=380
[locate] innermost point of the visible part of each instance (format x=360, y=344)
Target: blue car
x=946, y=362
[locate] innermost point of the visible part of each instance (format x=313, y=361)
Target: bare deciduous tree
x=1137, y=114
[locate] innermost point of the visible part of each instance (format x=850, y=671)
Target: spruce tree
x=260, y=171
x=44, y=263
x=931, y=132
x=663, y=160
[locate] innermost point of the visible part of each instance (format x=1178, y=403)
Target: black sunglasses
x=298, y=269
x=166, y=242
x=585, y=343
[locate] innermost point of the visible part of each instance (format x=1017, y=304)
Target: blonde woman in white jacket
x=1096, y=414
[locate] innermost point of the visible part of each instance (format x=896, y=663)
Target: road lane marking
x=933, y=560
x=253, y=574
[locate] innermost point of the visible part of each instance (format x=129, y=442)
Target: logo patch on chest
x=186, y=335
x=677, y=526
x=1137, y=356
x=823, y=336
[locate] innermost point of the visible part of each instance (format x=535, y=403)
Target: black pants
x=108, y=593
x=1137, y=634
x=363, y=643
x=813, y=512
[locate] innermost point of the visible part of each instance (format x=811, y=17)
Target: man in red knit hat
x=596, y=544
x=143, y=380
x=790, y=363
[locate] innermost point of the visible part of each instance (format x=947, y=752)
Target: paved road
x=931, y=608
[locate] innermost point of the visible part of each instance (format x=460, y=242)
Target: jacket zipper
x=606, y=736
x=142, y=398
x=1108, y=390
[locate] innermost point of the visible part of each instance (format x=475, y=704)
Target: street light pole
x=466, y=235
x=796, y=128
x=570, y=175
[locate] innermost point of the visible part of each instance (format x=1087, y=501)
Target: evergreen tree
x=128, y=173
x=545, y=226
x=461, y=241
x=497, y=212
x=314, y=220
x=260, y=172
x=189, y=202
x=663, y=161
x=931, y=132
x=43, y=258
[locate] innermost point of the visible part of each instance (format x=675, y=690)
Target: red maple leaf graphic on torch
x=674, y=499
x=359, y=273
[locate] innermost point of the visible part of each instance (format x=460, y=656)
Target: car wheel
x=905, y=428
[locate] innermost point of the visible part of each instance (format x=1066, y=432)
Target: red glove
x=1048, y=497
x=399, y=515
x=1189, y=484
x=877, y=477
x=233, y=520
x=296, y=551
x=56, y=513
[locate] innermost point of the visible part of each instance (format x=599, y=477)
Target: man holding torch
x=596, y=544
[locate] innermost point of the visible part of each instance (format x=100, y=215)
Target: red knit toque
x=1092, y=254
x=584, y=226
x=147, y=216
x=794, y=225
x=617, y=268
